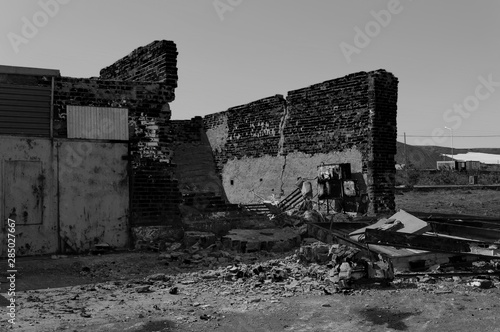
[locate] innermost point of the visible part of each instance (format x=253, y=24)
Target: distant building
x=459, y=165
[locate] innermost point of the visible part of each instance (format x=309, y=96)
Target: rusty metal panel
x=25, y=110
x=93, y=194
x=97, y=122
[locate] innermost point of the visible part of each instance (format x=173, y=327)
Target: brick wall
x=155, y=62
x=247, y=130
x=155, y=195
x=143, y=82
x=192, y=154
x=262, y=147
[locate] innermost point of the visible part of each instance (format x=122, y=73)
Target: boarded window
x=97, y=122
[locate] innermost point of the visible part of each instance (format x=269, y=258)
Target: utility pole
x=452, y=152
x=406, y=159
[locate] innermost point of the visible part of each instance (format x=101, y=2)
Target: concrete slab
x=271, y=239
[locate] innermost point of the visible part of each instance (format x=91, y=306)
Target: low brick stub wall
x=350, y=119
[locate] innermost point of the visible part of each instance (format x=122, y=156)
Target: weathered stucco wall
x=28, y=181
x=265, y=145
x=75, y=189
x=94, y=194
x=247, y=180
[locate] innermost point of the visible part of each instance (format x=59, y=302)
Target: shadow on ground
x=393, y=319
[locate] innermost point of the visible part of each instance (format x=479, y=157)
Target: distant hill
x=425, y=156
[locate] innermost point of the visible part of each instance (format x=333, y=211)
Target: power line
x=449, y=136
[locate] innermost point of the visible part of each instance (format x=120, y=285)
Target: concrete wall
x=28, y=181
x=93, y=194
x=262, y=147
x=75, y=189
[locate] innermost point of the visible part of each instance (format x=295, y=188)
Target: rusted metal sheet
x=97, y=122
x=25, y=110
x=431, y=243
x=93, y=194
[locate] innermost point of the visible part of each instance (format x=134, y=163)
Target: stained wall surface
x=262, y=147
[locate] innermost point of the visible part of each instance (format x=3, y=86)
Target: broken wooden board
x=411, y=224
x=402, y=259
x=431, y=243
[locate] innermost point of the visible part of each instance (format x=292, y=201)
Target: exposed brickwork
x=252, y=129
x=191, y=152
x=329, y=116
x=383, y=140
x=143, y=82
x=353, y=113
x=155, y=62
x=147, y=98
x=155, y=196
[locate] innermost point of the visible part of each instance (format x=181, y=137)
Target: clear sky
x=446, y=53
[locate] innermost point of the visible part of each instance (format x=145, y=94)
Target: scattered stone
x=203, y=239
x=188, y=282
x=481, y=283
x=173, y=291
x=158, y=277
x=143, y=289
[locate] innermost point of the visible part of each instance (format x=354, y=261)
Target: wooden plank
x=431, y=243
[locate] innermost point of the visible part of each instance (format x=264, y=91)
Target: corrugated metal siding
x=25, y=110
x=97, y=122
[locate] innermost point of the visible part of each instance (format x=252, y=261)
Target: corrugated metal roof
x=25, y=110
x=97, y=122
x=28, y=71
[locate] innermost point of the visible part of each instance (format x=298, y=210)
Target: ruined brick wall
x=143, y=82
x=329, y=116
x=350, y=119
x=381, y=164
x=154, y=191
x=155, y=195
x=251, y=130
x=155, y=62
x=192, y=154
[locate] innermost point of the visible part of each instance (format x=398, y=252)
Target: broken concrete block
x=251, y=240
x=204, y=239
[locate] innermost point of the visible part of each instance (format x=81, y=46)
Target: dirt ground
x=460, y=201
x=112, y=292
